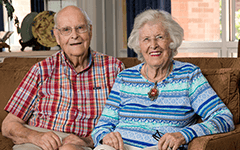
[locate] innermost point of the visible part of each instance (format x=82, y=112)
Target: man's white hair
x=89, y=21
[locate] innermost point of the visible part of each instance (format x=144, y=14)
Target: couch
x=222, y=73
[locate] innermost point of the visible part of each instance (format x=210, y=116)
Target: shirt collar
x=66, y=62
x=170, y=75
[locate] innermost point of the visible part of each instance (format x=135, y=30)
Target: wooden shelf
x=28, y=54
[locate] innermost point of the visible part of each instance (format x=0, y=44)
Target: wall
x=107, y=17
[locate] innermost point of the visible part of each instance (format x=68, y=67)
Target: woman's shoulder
x=135, y=70
x=185, y=67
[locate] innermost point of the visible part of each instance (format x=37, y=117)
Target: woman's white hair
x=174, y=30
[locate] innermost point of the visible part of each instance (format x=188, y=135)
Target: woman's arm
x=109, y=118
x=216, y=117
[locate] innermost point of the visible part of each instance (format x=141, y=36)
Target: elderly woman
x=156, y=103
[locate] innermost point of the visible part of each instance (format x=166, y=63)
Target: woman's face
x=154, y=44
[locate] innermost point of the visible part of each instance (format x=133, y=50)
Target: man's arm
x=13, y=128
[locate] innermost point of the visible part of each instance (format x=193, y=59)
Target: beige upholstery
x=222, y=73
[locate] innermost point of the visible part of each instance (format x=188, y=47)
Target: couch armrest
x=5, y=143
x=230, y=140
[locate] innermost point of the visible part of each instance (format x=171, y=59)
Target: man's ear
x=55, y=32
x=90, y=32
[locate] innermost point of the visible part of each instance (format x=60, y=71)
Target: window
x=209, y=30
x=237, y=19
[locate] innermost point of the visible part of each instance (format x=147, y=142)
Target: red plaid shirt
x=54, y=96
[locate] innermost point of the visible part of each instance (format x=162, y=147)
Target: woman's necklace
x=154, y=92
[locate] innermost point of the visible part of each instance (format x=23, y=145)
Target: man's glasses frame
x=68, y=30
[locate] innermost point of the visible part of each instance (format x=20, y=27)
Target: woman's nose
x=154, y=44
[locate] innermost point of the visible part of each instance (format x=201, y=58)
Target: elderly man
x=58, y=103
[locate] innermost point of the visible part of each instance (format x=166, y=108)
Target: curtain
x=1, y=21
x=134, y=7
x=1, y=18
x=37, y=5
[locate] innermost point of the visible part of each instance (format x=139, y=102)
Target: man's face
x=75, y=44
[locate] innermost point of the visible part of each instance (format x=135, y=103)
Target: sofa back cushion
x=225, y=83
x=203, y=63
x=222, y=74
x=12, y=71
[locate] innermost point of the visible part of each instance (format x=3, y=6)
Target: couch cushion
x=12, y=71
x=9, y=79
x=129, y=61
x=203, y=63
x=212, y=63
x=225, y=83
x=5, y=143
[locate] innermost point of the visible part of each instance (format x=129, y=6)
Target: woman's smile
x=155, y=53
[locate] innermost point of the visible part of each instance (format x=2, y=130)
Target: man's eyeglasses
x=68, y=30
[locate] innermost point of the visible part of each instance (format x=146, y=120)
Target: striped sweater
x=183, y=95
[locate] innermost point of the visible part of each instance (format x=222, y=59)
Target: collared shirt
x=54, y=96
x=183, y=95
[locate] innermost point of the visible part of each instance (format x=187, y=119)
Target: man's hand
x=114, y=139
x=13, y=128
x=171, y=141
x=83, y=141
x=47, y=140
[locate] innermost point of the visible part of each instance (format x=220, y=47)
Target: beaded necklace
x=154, y=92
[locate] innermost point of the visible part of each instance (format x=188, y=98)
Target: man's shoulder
x=50, y=62
x=56, y=56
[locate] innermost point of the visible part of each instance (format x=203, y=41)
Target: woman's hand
x=114, y=139
x=171, y=141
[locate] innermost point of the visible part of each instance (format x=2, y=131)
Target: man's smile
x=73, y=44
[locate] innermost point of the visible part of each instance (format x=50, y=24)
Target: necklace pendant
x=153, y=93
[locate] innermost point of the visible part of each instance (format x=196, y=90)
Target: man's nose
x=74, y=33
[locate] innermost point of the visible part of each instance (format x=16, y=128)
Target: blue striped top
x=183, y=95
